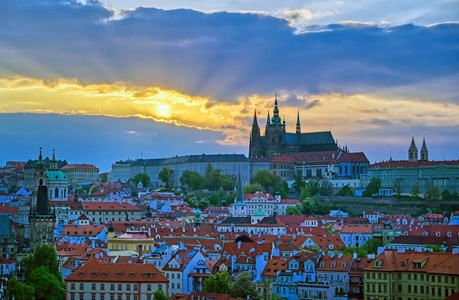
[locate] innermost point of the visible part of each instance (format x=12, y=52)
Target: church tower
x=275, y=132
x=41, y=218
x=424, y=151
x=239, y=206
x=39, y=177
x=413, y=151
x=255, y=146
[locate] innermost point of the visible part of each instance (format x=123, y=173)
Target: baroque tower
x=413, y=151
x=424, y=151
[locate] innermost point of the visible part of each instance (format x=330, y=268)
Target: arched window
x=56, y=193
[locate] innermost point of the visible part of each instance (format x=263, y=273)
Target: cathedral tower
x=413, y=151
x=275, y=132
x=298, y=126
x=424, y=151
x=255, y=146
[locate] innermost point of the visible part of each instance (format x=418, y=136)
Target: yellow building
x=136, y=241
x=81, y=173
x=412, y=276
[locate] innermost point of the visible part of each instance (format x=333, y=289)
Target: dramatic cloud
x=206, y=70
x=221, y=55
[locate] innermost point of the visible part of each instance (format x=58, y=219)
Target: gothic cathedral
x=277, y=141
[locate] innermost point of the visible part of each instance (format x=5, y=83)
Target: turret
x=413, y=151
x=424, y=151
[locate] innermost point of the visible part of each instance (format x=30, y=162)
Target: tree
x=160, y=295
x=20, y=291
x=252, y=188
x=185, y=178
x=345, y=191
x=293, y=211
x=415, y=189
x=46, y=285
x=219, y=283
x=298, y=184
x=446, y=195
x=42, y=275
x=305, y=193
x=226, y=183
x=314, y=188
x=329, y=228
x=372, y=188
x=285, y=186
x=103, y=177
x=94, y=189
x=266, y=179
x=435, y=248
x=283, y=193
x=144, y=178
x=196, y=181
x=165, y=176
x=230, y=199
x=326, y=188
x=243, y=286
x=432, y=193
x=243, y=238
x=372, y=245
x=314, y=206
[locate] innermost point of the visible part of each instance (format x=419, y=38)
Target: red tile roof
x=365, y=229
x=415, y=164
x=110, y=206
x=95, y=271
x=79, y=166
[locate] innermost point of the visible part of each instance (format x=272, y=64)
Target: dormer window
x=132, y=275
x=82, y=274
x=104, y=274
x=343, y=265
x=120, y=275
x=437, y=233
x=94, y=274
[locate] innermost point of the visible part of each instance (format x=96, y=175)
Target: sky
x=102, y=81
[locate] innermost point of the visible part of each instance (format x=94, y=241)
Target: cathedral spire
x=424, y=151
x=298, y=127
x=255, y=122
x=53, y=163
x=268, y=121
x=413, y=151
x=276, y=119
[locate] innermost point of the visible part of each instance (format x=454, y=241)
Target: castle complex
x=277, y=141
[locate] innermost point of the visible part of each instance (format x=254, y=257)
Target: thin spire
x=268, y=121
x=298, y=126
x=239, y=197
x=255, y=122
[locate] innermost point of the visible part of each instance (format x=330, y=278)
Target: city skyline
x=113, y=81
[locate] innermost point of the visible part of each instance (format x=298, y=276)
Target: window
x=160, y=287
x=128, y=287
x=102, y=297
x=178, y=276
x=93, y=286
x=81, y=297
x=93, y=297
x=148, y=287
x=112, y=287
x=135, y=287
x=178, y=285
x=173, y=285
x=72, y=297
x=120, y=287
x=81, y=286
x=72, y=286
x=102, y=286
x=173, y=276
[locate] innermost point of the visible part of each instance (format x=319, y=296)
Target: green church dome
x=54, y=175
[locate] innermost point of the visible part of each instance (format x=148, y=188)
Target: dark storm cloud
x=219, y=55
